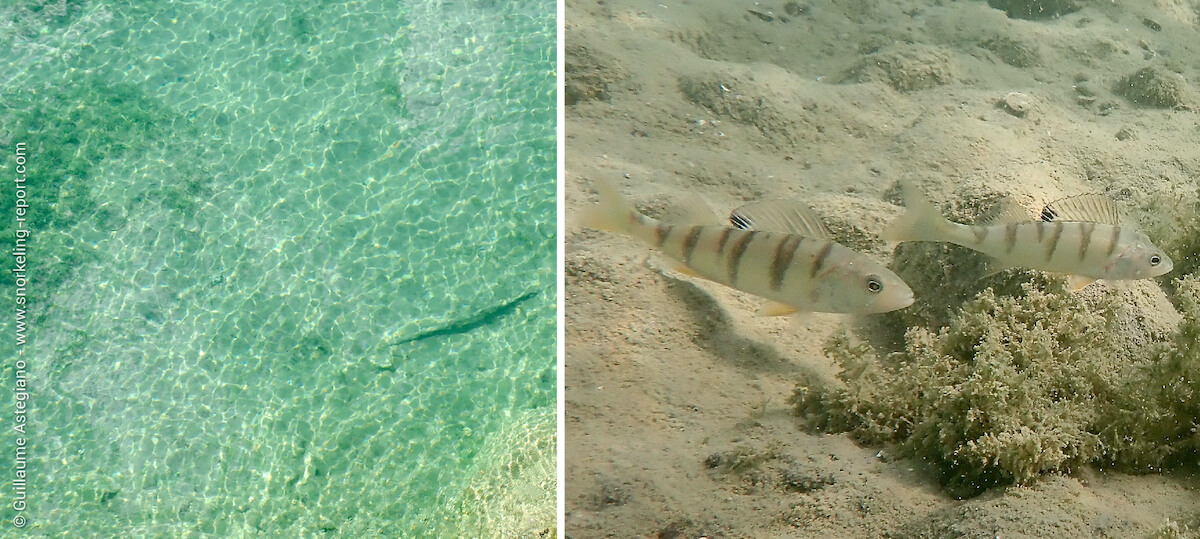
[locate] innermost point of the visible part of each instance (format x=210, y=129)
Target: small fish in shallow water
x=786, y=258
x=1080, y=236
x=463, y=325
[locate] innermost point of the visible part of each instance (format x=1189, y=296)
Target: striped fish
x=1080, y=236
x=795, y=269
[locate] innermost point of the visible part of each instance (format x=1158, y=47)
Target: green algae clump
x=1012, y=388
x=1020, y=386
x=1156, y=86
x=1161, y=420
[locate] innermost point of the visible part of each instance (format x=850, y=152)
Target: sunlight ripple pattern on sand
x=284, y=185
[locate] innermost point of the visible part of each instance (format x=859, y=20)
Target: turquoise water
x=239, y=211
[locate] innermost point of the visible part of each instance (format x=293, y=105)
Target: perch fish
x=1080, y=236
x=786, y=257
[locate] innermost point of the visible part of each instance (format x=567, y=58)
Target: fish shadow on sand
x=715, y=332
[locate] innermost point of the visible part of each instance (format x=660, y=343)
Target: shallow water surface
x=240, y=213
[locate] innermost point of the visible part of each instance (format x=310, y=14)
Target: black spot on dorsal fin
x=1092, y=208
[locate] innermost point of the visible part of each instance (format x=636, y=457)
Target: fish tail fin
x=612, y=213
x=921, y=220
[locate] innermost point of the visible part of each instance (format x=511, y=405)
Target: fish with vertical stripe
x=778, y=252
x=1081, y=236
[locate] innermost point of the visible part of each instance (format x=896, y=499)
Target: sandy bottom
x=834, y=103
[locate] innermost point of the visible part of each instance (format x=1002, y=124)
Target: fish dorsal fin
x=690, y=209
x=1008, y=210
x=780, y=216
x=1093, y=208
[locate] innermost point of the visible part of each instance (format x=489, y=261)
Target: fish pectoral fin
x=993, y=267
x=1077, y=282
x=775, y=308
x=684, y=269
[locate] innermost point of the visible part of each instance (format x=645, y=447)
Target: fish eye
x=874, y=284
x=1155, y=260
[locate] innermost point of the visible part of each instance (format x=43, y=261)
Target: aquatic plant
x=1018, y=386
x=1160, y=423
x=31, y=18
x=958, y=274
x=1176, y=227
x=68, y=131
x=1035, y=9
x=1158, y=87
x=1009, y=390
x=1171, y=529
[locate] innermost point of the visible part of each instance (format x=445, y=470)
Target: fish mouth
x=1157, y=271
x=903, y=301
x=895, y=304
